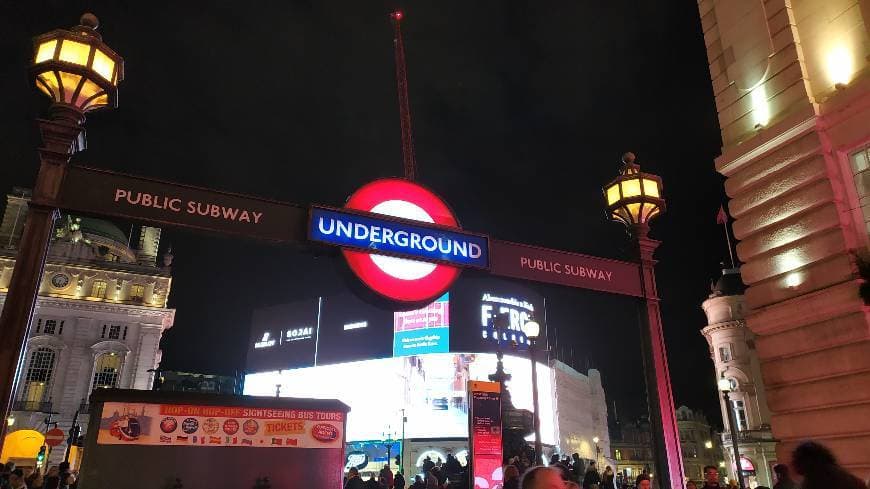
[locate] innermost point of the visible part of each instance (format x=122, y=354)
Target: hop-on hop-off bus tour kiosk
x=154, y=439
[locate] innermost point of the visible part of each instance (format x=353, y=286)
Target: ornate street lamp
x=726, y=387
x=80, y=74
x=532, y=329
x=635, y=198
x=595, y=440
x=76, y=69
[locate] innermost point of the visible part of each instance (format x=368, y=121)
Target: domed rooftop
x=103, y=228
x=730, y=283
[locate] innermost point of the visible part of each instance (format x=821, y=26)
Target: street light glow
x=708, y=444
x=724, y=385
x=532, y=329
x=595, y=439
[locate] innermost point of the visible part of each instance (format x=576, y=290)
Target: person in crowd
x=354, y=481
x=511, y=477
x=432, y=480
x=428, y=465
x=577, y=467
x=691, y=485
x=385, y=477
x=711, y=477
x=592, y=479
x=399, y=481
x=644, y=482
x=607, y=479
x=783, y=477
x=34, y=480
x=372, y=483
x=16, y=479
x=418, y=483
x=4, y=474
x=819, y=468
x=541, y=477
x=52, y=478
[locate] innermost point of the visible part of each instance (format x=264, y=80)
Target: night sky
x=521, y=111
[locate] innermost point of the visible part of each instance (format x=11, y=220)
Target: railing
x=749, y=436
x=40, y=406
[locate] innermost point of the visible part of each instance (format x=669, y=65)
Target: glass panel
x=630, y=188
x=89, y=89
x=612, y=194
x=70, y=82
x=859, y=161
x=103, y=65
x=634, y=210
x=74, y=52
x=107, y=370
x=137, y=291
x=46, y=51
x=51, y=81
x=114, y=332
x=650, y=187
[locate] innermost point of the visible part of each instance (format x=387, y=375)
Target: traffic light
x=41, y=455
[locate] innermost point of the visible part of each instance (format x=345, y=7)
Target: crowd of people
x=57, y=477
x=814, y=465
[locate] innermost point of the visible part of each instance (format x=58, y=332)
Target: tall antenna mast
x=404, y=106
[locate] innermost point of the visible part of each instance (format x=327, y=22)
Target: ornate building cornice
x=714, y=328
x=102, y=307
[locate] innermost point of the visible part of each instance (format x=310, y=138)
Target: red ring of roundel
x=429, y=287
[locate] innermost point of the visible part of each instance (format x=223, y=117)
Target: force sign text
x=176, y=204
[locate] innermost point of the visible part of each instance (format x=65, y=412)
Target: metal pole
x=663, y=421
x=732, y=423
x=402, y=448
x=62, y=136
x=539, y=451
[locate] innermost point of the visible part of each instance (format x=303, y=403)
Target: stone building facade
x=732, y=349
x=790, y=83
x=98, y=321
x=698, y=441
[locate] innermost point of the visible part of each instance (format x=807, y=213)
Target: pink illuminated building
x=791, y=88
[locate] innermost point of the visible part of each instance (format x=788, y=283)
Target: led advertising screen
x=284, y=336
x=431, y=388
x=344, y=328
x=425, y=330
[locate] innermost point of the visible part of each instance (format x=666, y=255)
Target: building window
x=50, y=326
x=37, y=380
x=124, y=336
x=618, y=454
x=107, y=369
x=860, y=163
x=114, y=332
x=98, y=289
x=137, y=291
x=104, y=332
x=725, y=353
x=739, y=414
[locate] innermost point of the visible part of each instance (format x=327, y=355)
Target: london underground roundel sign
x=402, y=279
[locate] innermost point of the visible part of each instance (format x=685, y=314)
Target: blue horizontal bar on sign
x=367, y=232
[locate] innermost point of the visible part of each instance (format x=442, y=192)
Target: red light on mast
x=398, y=15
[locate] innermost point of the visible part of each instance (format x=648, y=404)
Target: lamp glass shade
x=595, y=440
x=45, y=51
x=650, y=187
x=724, y=385
x=74, y=52
x=104, y=66
x=532, y=329
x=612, y=194
x=631, y=188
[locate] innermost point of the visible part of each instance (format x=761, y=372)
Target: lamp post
x=634, y=199
x=532, y=329
x=595, y=439
x=726, y=387
x=80, y=74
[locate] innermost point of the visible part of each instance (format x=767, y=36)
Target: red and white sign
x=396, y=278
x=54, y=437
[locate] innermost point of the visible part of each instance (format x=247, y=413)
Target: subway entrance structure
x=399, y=238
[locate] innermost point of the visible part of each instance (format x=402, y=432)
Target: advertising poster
x=216, y=426
x=425, y=330
x=485, y=433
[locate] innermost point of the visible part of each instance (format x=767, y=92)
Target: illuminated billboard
x=431, y=388
x=425, y=330
x=344, y=328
